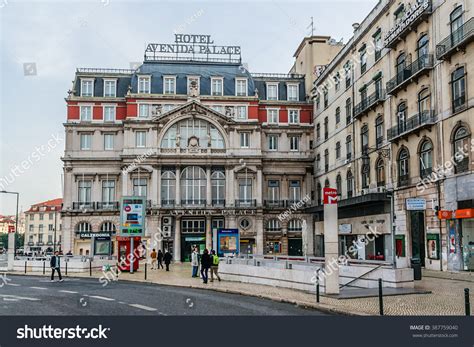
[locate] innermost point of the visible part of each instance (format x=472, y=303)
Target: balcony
x=274, y=203
x=218, y=202
x=403, y=180
x=420, y=121
x=167, y=203
x=365, y=105
x=408, y=23
x=246, y=203
x=107, y=206
x=40, y=243
x=83, y=205
x=456, y=41
x=194, y=203
x=410, y=73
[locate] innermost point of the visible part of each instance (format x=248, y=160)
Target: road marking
x=18, y=297
x=40, y=288
x=68, y=291
x=101, y=298
x=13, y=284
x=10, y=299
x=121, y=302
x=142, y=307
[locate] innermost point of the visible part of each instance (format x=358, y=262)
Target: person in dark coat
x=55, y=266
x=167, y=258
x=160, y=259
x=205, y=265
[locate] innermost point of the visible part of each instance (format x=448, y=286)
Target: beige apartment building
x=391, y=110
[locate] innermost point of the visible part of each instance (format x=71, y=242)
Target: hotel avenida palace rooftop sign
x=196, y=47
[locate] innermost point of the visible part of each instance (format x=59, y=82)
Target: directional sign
x=330, y=196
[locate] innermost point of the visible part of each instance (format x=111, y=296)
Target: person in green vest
x=214, y=266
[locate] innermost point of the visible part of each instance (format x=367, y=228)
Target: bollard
x=44, y=267
x=380, y=297
x=90, y=268
x=66, y=268
x=145, y=270
x=467, y=304
x=25, y=265
x=317, y=286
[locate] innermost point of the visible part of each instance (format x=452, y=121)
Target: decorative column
x=158, y=185
x=159, y=238
x=307, y=235
x=259, y=240
x=124, y=183
x=259, y=186
x=177, y=240
x=307, y=185
x=208, y=233
x=230, y=187
x=208, y=186
x=154, y=186
x=177, y=198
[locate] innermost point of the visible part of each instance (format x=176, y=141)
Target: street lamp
x=16, y=219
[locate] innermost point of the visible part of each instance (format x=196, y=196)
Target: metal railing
x=110, y=205
x=425, y=62
x=372, y=100
x=246, y=203
x=277, y=75
x=83, y=205
x=105, y=70
x=218, y=202
x=460, y=36
x=274, y=203
x=424, y=118
x=167, y=203
x=193, y=202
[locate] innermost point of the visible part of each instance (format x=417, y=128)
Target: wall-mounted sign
x=227, y=242
x=329, y=196
x=415, y=204
x=193, y=45
x=132, y=216
x=90, y=234
x=412, y=13
x=345, y=228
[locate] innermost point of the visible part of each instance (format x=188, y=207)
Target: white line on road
x=10, y=299
x=68, y=291
x=13, y=284
x=40, y=288
x=142, y=307
x=101, y=298
x=19, y=297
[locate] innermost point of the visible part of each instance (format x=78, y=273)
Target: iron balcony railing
x=458, y=38
x=193, y=202
x=105, y=71
x=274, y=203
x=82, y=205
x=246, y=203
x=409, y=72
x=108, y=205
x=218, y=202
x=373, y=100
x=277, y=75
x=167, y=203
x=423, y=119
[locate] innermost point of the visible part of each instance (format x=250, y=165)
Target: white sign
x=416, y=204
x=345, y=228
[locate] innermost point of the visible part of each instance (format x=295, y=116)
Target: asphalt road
x=31, y=295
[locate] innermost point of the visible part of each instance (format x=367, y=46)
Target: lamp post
x=16, y=218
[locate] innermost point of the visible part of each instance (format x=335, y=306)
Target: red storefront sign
x=127, y=238
x=458, y=214
x=329, y=196
x=445, y=214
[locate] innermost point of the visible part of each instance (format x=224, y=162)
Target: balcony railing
x=218, y=202
x=456, y=40
x=369, y=102
x=410, y=72
x=83, y=205
x=246, y=203
x=419, y=121
x=111, y=205
x=167, y=203
x=195, y=202
x=274, y=203
x=403, y=180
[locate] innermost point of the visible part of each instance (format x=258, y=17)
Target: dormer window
x=87, y=87
x=169, y=85
x=272, y=91
x=241, y=87
x=144, y=85
x=110, y=88
x=292, y=92
x=217, y=86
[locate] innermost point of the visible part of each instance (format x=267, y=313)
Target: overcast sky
x=42, y=43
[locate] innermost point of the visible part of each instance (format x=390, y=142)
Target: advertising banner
x=132, y=216
x=227, y=242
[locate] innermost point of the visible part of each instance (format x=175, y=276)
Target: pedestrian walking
x=205, y=265
x=153, y=256
x=160, y=259
x=195, y=262
x=55, y=264
x=167, y=258
x=214, y=266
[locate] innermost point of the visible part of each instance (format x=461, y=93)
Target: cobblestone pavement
x=447, y=297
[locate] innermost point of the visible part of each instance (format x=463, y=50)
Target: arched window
x=326, y=183
x=456, y=22
x=326, y=128
x=326, y=160
x=458, y=89
x=403, y=167
x=380, y=172
x=461, y=145
x=400, y=67
x=273, y=225
x=365, y=176
x=348, y=110
x=295, y=225
x=424, y=102
x=339, y=185
x=168, y=188
x=426, y=158
x=193, y=186
x=350, y=184
x=402, y=117
x=423, y=48
x=83, y=227
x=349, y=147
x=338, y=115
x=108, y=227
x=379, y=131
x=218, y=188
x=338, y=150
x=364, y=135
x=193, y=132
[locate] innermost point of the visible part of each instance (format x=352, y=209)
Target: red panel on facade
x=305, y=116
x=283, y=116
x=131, y=110
x=121, y=112
x=72, y=110
x=97, y=112
x=253, y=110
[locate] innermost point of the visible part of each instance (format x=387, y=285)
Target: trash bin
x=416, y=266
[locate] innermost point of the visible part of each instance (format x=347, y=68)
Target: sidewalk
x=446, y=297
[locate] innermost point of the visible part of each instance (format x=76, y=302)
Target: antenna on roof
x=311, y=26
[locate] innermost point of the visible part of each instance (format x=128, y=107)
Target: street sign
x=132, y=216
x=228, y=242
x=329, y=196
x=415, y=204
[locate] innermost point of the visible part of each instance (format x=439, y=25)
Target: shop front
x=193, y=234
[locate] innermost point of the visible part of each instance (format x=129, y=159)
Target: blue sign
x=228, y=242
